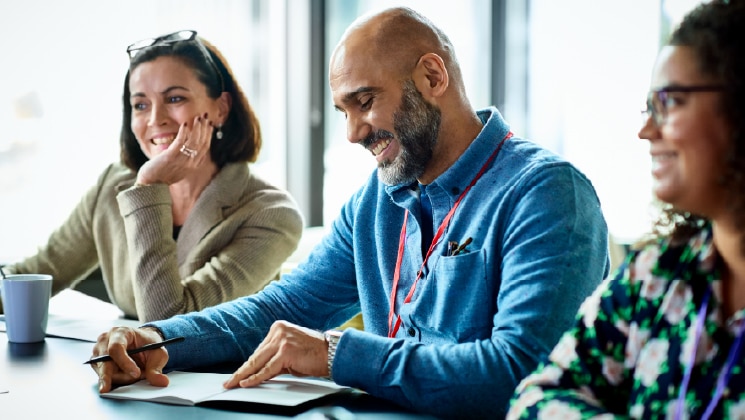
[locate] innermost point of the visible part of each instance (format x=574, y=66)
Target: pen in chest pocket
x=455, y=249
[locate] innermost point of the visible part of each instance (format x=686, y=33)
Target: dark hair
x=715, y=31
x=242, y=134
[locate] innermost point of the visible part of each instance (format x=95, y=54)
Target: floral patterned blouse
x=633, y=339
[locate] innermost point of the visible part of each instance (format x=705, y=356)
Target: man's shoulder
x=520, y=150
x=523, y=165
x=526, y=156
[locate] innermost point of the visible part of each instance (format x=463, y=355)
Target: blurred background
x=571, y=75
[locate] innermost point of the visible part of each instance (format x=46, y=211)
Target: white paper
x=84, y=329
x=72, y=303
x=187, y=388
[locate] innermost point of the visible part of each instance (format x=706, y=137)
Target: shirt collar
x=456, y=178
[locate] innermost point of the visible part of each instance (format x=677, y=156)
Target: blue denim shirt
x=478, y=322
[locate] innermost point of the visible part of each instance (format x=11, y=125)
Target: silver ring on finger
x=188, y=152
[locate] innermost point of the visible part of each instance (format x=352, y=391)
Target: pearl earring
x=218, y=135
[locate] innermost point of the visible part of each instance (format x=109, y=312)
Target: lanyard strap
x=393, y=329
x=724, y=374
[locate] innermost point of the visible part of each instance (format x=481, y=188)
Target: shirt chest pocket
x=456, y=303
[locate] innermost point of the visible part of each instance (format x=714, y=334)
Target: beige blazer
x=232, y=244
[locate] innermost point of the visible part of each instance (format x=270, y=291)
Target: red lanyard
x=393, y=329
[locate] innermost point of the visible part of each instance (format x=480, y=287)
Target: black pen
x=146, y=347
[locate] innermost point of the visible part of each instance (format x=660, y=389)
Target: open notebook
x=191, y=388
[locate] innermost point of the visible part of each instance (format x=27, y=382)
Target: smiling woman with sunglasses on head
x=181, y=223
x=664, y=338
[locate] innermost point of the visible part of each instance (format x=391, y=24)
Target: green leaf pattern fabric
x=627, y=353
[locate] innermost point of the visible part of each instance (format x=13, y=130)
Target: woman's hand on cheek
x=189, y=151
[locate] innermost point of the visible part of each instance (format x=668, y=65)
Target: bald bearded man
x=468, y=251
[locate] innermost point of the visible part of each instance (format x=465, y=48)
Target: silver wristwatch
x=332, y=338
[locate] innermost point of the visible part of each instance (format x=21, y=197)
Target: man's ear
x=224, y=103
x=431, y=76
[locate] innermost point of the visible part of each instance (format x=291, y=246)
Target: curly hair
x=242, y=133
x=715, y=31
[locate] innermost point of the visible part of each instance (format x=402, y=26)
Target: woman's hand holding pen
x=287, y=348
x=126, y=369
x=185, y=155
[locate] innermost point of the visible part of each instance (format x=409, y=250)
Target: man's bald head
x=397, y=38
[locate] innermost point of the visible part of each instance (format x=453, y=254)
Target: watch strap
x=332, y=338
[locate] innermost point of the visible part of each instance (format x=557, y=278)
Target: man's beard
x=417, y=123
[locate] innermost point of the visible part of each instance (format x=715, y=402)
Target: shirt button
x=411, y=331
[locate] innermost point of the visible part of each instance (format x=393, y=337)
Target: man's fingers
x=105, y=382
x=270, y=370
x=110, y=373
x=155, y=377
x=287, y=348
x=260, y=356
x=154, y=361
x=122, y=368
x=121, y=360
x=247, y=368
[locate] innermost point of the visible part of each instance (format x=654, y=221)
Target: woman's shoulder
x=240, y=177
x=665, y=260
x=238, y=183
x=696, y=247
x=115, y=174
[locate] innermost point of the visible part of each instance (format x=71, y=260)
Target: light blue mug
x=26, y=306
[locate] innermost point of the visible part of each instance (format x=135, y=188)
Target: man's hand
x=287, y=348
x=125, y=369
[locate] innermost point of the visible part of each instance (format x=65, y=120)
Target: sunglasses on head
x=173, y=38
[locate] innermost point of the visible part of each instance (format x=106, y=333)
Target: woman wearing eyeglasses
x=663, y=338
x=181, y=223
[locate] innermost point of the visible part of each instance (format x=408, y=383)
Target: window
x=590, y=66
x=577, y=74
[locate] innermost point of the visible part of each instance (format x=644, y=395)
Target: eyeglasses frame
x=659, y=116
